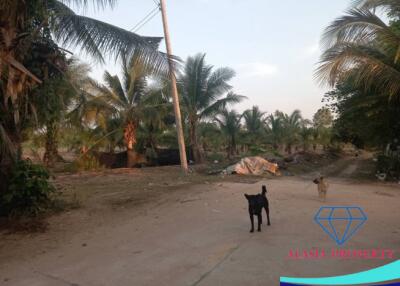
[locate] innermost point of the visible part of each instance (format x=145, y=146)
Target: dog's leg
x=259, y=220
x=267, y=212
x=252, y=223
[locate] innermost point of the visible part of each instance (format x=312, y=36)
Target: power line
x=147, y=18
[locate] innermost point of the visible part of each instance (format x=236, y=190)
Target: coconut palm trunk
x=197, y=151
x=51, y=155
x=130, y=141
x=232, y=147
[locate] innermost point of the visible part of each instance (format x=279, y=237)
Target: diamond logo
x=340, y=222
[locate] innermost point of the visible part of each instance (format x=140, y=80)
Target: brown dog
x=322, y=187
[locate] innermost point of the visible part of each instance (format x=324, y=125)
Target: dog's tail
x=264, y=190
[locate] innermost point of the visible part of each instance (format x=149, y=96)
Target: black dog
x=256, y=204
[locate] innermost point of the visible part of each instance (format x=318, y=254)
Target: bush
x=215, y=156
x=28, y=192
x=256, y=150
x=388, y=165
x=87, y=162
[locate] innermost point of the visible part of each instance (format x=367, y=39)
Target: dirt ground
x=158, y=227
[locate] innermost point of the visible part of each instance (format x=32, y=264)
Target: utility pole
x=174, y=90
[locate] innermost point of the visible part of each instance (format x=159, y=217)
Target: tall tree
x=31, y=27
x=124, y=100
x=254, y=124
x=323, y=118
x=361, y=61
x=204, y=93
x=291, y=124
x=254, y=120
x=275, y=130
x=229, y=123
x=362, y=46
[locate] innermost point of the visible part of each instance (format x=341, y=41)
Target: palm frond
x=85, y=3
x=97, y=38
x=218, y=82
x=7, y=149
x=221, y=104
x=360, y=26
x=115, y=86
x=392, y=7
x=254, y=119
x=367, y=65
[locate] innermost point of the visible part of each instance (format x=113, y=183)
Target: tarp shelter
x=252, y=166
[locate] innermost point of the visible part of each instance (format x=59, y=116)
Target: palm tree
x=124, y=100
x=392, y=7
x=204, y=92
x=363, y=46
x=254, y=124
x=156, y=120
x=37, y=25
x=254, y=120
x=306, y=134
x=52, y=110
x=210, y=136
x=274, y=130
x=291, y=128
x=229, y=123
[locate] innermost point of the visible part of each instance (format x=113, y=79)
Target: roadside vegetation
x=55, y=114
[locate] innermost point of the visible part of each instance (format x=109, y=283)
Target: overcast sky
x=272, y=45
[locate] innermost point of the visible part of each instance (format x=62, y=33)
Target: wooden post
x=174, y=90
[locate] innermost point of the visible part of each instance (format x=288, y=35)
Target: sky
x=272, y=45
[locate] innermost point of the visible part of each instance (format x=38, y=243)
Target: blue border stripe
x=388, y=272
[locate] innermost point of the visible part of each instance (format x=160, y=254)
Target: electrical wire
x=147, y=18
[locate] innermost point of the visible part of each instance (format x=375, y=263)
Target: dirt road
x=199, y=236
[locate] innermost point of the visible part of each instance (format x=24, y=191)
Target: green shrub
x=256, y=150
x=215, y=156
x=87, y=162
x=28, y=192
x=388, y=165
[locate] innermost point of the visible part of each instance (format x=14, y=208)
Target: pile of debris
x=252, y=166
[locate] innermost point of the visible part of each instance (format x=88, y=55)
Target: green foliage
x=364, y=118
x=86, y=162
x=256, y=150
x=362, y=46
x=323, y=118
x=29, y=190
x=229, y=123
x=361, y=61
x=389, y=165
x=205, y=91
x=216, y=156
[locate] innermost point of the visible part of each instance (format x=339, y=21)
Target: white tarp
x=254, y=166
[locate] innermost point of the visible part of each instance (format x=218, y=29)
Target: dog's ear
x=264, y=189
x=315, y=181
